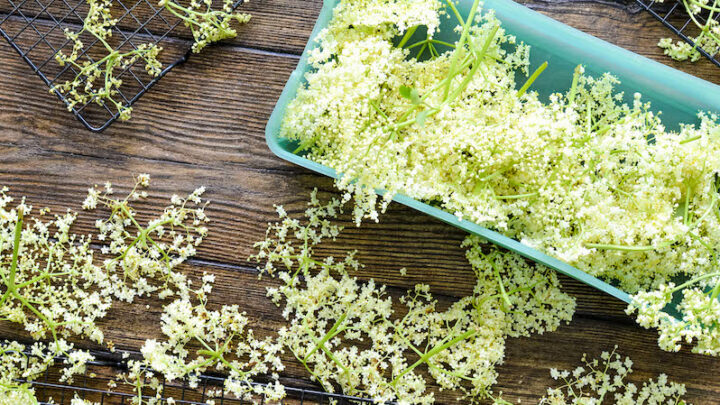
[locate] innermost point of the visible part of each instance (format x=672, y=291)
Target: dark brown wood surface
x=203, y=124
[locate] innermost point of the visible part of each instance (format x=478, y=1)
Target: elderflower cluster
x=605, y=378
x=17, y=369
x=96, y=80
x=697, y=320
x=348, y=335
x=21, y=365
x=574, y=176
x=200, y=340
x=144, y=256
x=49, y=282
x=206, y=24
x=708, y=38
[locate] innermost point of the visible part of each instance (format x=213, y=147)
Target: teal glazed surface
x=678, y=95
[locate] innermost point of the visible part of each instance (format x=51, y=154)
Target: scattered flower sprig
x=605, y=378
x=96, y=81
x=151, y=251
x=206, y=24
x=199, y=340
x=348, y=336
x=703, y=14
x=15, y=367
x=50, y=284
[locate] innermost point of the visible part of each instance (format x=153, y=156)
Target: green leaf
x=422, y=117
x=410, y=94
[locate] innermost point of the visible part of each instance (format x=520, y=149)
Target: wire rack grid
x=50, y=391
x=674, y=16
x=34, y=28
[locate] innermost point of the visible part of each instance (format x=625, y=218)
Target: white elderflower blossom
x=199, y=340
x=49, y=281
x=207, y=24
x=698, y=314
x=601, y=379
x=144, y=256
x=348, y=337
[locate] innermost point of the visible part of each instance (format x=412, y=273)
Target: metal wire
x=94, y=389
x=674, y=16
x=34, y=28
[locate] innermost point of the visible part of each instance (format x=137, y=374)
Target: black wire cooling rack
x=34, y=28
x=94, y=389
x=673, y=15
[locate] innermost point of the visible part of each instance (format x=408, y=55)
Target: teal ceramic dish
x=678, y=95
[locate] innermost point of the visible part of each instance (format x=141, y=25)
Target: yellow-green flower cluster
x=200, y=340
x=697, y=319
x=604, y=379
x=16, y=366
x=206, y=24
x=50, y=283
x=703, y=14
x=144, y=253
x=574, y=176
x=348, y=335
x=97, y=81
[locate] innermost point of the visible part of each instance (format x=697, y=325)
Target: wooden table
x=204, y=124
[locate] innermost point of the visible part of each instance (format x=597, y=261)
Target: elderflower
x=21, y=365
x=208, y=25
x=96, y=80
x=606, y=378
x=708, y=38
x=199, y=340
x=142, y=253
x=50, y=283
x=698, y=315
x=348, y=336
x=573, y=176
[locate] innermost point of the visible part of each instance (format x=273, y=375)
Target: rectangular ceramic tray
x=678, y=95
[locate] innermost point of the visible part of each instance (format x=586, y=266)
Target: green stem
x=573, y=87
x=460, y=45
x=408, y=34
x=531, y=79
x=428, y=355
x=327, y=336
x=625, y=248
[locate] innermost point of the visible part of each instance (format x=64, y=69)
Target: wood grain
x=203, y=124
